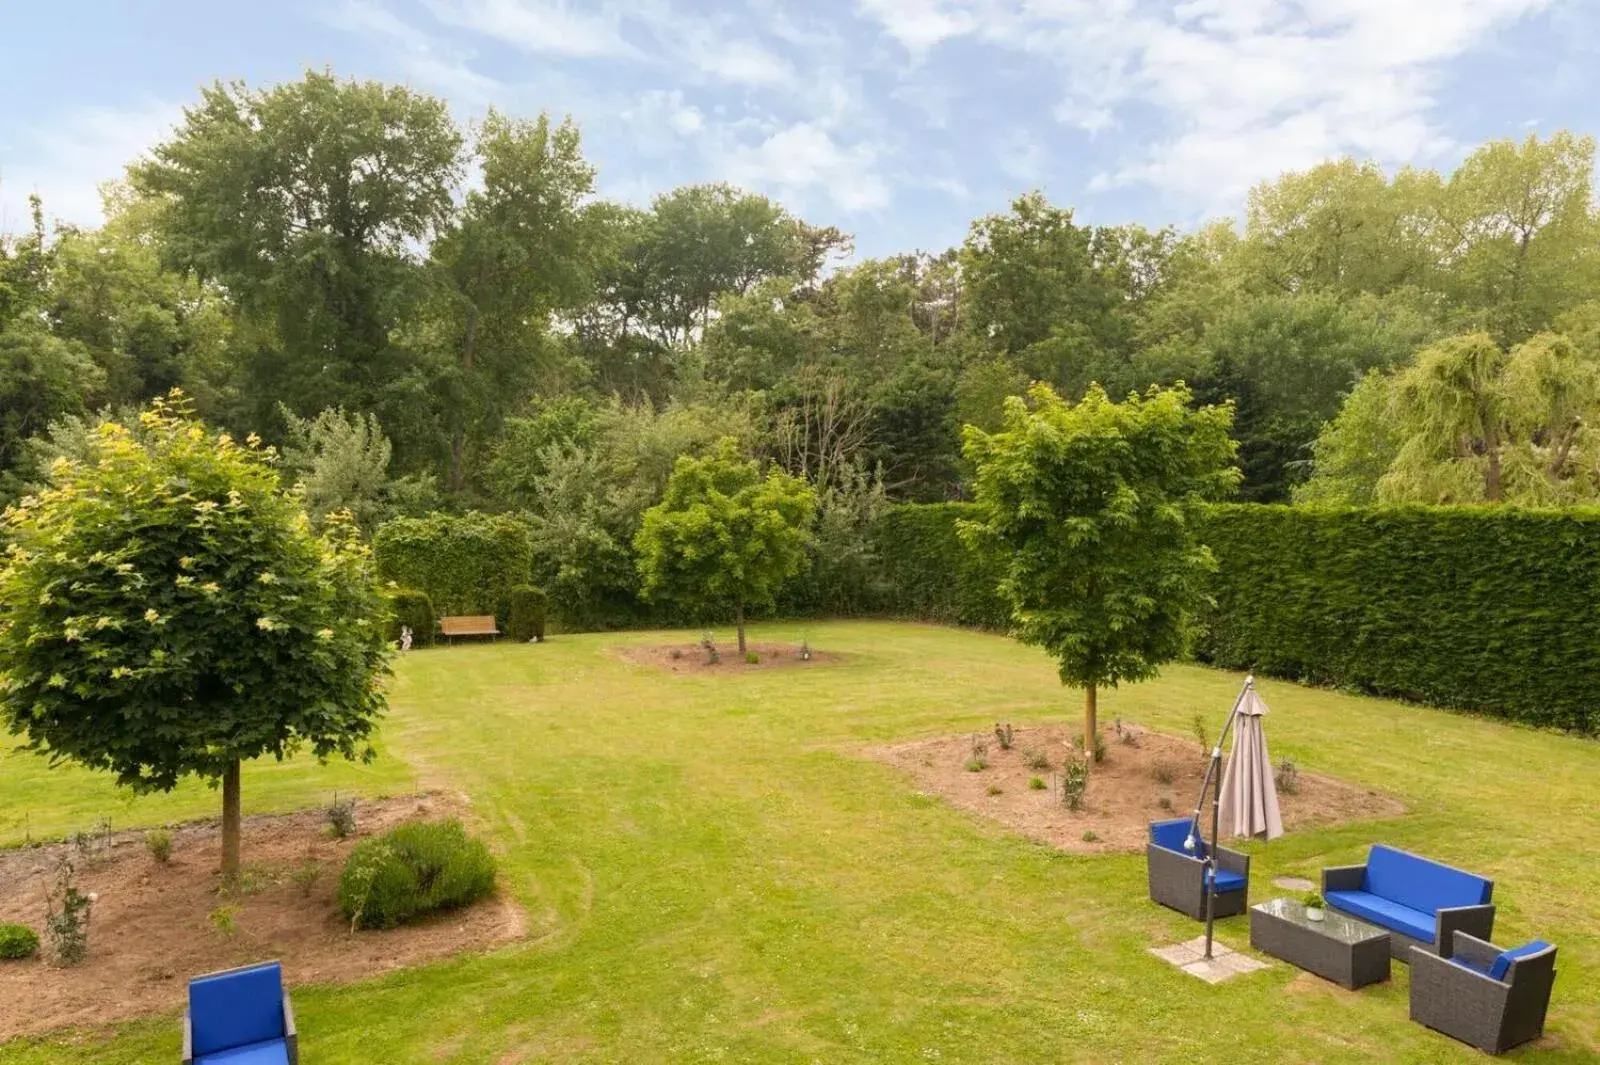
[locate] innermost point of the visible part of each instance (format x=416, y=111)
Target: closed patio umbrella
x=1249, y=793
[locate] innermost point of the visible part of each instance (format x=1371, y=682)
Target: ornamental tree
x=167, y=610
x=1090, y=510
x=724, y=536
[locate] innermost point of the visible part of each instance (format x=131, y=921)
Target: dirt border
x=153, y=926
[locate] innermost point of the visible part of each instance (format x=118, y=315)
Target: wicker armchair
x=1177, y=877
x=1488, y=998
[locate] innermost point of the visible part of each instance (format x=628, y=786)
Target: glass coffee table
x=1338, y=948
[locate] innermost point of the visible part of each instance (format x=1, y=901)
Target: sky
x=897, y=120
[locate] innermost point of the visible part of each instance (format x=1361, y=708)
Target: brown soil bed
x=151, y=926
x=691, y=657
x=1125, y=793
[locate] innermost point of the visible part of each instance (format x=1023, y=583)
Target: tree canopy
x=1090, y=511
x=166, y=610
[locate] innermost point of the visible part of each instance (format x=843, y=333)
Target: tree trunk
x=1090, y=725
x=1492, y=490
x=738, y=619
x=458, y=439
x=230, y=821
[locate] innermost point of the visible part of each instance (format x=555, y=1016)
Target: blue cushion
x=1502, y=964
x=272, y=1052
x=1227, y=882
x=1419, y=884
x=1385, y=913
x=1170, y=835
x=236, y=1009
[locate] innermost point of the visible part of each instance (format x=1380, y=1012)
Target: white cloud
x=418, y=55
x=739, y=62
x=545, y=27
x=1021, y=156
x=804, y=156
x=1240, y=89
x=920, y=24
x=66, y=160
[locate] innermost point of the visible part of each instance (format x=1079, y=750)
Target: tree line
x=424, y=317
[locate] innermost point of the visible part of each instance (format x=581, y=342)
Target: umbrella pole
x=1213, y=776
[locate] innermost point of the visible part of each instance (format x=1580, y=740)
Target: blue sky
x=897, y=120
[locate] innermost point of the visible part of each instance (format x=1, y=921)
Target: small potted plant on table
x=1315, y=908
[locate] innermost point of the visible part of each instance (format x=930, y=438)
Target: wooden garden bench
x=468, y=625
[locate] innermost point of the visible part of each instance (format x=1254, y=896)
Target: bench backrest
x=468, y=625
x=236, y=1008
x=1422, y=884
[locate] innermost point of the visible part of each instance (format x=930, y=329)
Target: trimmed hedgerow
x=1478, y=608
x=414, y=870
x=930, y=574
x=525, y=620
x=408, y=606
x=466, y=564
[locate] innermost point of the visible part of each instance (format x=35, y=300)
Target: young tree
x=1090, y=510
x=166, y=610
x=724, y=535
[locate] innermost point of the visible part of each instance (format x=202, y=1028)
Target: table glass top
x=1334, y=924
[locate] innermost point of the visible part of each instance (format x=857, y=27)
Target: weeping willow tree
x=1471, y=422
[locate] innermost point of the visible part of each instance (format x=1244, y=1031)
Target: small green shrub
x=525, y=618
x=1163, y=773
x=415, y=869
x=1089, y=836
x=1126, y=735
x=17, y=941
x=976, y=765
x=1165, y=803
x=225, y=919
x=410, y=608
x=751, y=658
x=1074, y=783
x=1003, y=735
x=1287, y=776
x=980, y=756
x=1034, y=758
x=1037, y=783
x=708, y=644
x=995, y=789
x=67, y=910
x=158, y=841
x=1197, y=725
x=341, y=815
x=306, y=875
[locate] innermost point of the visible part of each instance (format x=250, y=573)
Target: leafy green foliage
x=1090, y=510
x=342, y=463
x=17, y=941
x=158, y=841
x=929, y=573
x=409, y=608
x=526, y=619
x=165, y=609
x=1478, y=609
x=412, y=871
x=725, y=537
x=466, y=565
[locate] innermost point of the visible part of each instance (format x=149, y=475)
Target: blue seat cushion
x=236, y=1009
x=1419, y=884
x=1171, y=835
x=1384, y=912
x=1502, y=964
x=271, y=1052
x=1226, y=882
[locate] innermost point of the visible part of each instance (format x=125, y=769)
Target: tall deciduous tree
x=724, y=536
x=165, y=610
x=1090, y=510
x=307, y=200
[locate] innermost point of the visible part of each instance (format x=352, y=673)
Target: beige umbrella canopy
x=1249, y=793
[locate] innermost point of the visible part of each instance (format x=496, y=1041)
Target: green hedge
x=1476, y=608
x=527, y=614
x=928, y=571
x=407, y=606
x=466, y=564
x=17, y=941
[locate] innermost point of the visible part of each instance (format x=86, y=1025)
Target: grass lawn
x=711, y=875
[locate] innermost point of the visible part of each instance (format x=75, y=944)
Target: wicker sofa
x=1418, y=901
x=1177, y=876
x=1490, y=998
